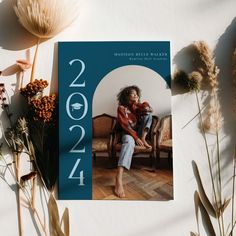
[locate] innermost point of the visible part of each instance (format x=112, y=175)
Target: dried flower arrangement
x=34, y=137
x=212, y=209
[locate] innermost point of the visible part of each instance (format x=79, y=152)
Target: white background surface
x=181, y=22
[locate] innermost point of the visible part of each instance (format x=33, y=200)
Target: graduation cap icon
x=76, y=106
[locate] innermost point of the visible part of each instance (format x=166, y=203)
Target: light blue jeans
x=128, y=143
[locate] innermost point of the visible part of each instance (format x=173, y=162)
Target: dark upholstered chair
x=164, y=140
x=102, y=134
x=151, y=138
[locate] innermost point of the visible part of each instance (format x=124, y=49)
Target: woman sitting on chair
x=134, y=119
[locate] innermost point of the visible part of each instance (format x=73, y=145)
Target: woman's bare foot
x=146, y=144
x=119, y=190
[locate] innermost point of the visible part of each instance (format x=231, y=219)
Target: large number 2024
x=75, y=148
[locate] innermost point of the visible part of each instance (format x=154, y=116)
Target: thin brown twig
x=193, y=118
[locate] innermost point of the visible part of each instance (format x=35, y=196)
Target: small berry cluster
x=33, y=88
x=44, y=108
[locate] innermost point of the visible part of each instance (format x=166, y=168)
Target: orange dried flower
x=43, y=108
x=33, y=88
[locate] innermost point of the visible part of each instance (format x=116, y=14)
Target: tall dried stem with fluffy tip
x=212, y=120
x=45, y=18
x=205, y=64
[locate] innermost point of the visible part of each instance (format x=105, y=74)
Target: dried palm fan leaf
x=45, y=18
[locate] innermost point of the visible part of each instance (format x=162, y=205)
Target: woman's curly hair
x=123, y=95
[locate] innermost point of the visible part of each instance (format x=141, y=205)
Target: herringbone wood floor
x=141, y=182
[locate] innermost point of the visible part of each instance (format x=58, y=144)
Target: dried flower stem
x=34, y=191
x=193, y=118
x=32, y=76
x=32, y=157
x=19, y=208
x=21, y=77
x=39, y=219
x=232, y=229
x=33, y=208
x=209, y=162
x=233, y=189
x=16, y=159
x=219, y=179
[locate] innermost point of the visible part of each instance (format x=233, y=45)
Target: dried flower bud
x=14, y=140
x=181, y=78
x=22, y=125
x=191, y=82
x=195, y=79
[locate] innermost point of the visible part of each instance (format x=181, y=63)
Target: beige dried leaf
x=54, y=217
x=194, y=234
x=206, y=220
x=65, y=222
x=23, y=64
x=224, y=205
x=202, y=194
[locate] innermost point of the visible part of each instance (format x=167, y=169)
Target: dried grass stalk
x=205, y=64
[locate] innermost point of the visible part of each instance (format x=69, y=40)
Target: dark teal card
x=82, y=66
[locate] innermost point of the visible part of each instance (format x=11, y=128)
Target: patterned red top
x=129, y=117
